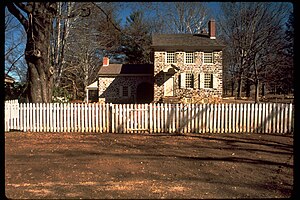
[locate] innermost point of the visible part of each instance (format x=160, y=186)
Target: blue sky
x=126, y=11
x=214, y=6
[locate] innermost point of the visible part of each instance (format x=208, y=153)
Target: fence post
x=290, y=127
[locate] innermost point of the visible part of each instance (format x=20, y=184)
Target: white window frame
x=169, y=53
x=189, y=80
x=208, y=77
x=206, y=54
x=187, y=57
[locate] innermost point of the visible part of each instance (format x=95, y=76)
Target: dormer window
x=208, y=57
x=189, y=57
x=170, y=57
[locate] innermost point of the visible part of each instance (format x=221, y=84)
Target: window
x=189, y=57
x=208, y=81
x=208, y=57
x=189, y=80
x=124, y=91
x=170, y=57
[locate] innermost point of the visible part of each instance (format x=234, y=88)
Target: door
x=169, y=85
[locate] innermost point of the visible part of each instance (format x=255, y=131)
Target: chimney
x=212, y=29
x=105, y=61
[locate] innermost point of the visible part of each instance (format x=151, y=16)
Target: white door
x=169, y=86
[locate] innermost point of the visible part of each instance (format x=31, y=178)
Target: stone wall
x=197, y=68
x=109, y=87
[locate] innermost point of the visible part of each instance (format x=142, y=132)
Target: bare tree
x=89, y=39
x=184, y=17
x=60, y=33
x=36, y=18
x=251, y=31
x=15, y=38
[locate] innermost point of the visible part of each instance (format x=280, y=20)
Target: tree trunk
x=257, y=91
x=263, y=90
x=38, y=25
x=232, y=88
x=248, y=88
x=40, y=71
x=239, y=89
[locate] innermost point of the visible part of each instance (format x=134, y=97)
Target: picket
x=153, y=118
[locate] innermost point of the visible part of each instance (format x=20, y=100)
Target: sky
x=127, y=9
x=125, y=12
x=214, y=6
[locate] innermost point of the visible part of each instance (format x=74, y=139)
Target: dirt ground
x=152, y=166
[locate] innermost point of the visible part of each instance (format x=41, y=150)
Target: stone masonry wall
x=109, y=87
x=198, y=67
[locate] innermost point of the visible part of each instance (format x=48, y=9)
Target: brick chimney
x=212, y=29
x=105, y=61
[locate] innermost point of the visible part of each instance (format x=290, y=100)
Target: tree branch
x=13, y=10
x=107, y=16
x=26, y=8
x=12, y=64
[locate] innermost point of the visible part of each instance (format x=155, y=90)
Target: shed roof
x=116, y=69
x=185, y=42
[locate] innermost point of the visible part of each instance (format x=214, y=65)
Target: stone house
x=125, y=83
x=186, y=68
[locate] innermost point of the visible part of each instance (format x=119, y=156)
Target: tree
x=136, y=39
x=37, y=21
x=89, y=39
x=252, y=32
x=59, y=35
x=15, y=38
x=36, y=18
x=184, y=17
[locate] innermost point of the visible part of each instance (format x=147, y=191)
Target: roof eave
x=187, y=48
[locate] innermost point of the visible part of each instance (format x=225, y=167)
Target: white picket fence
x=153, y=118
x=11, y=114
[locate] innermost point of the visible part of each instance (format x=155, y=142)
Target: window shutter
x=120, y=91
x=129, y=91
x=215, y=80
x=182, y=80
x=201, y=82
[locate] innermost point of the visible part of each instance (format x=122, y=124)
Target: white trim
x=213, y=59
x=185, y=57
x=165, y=85
x=211, y=81
x=93, y=86
x=192, y=80
x=201, y=80
x=182, y=80
x=215, y=80
x=166, y=57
